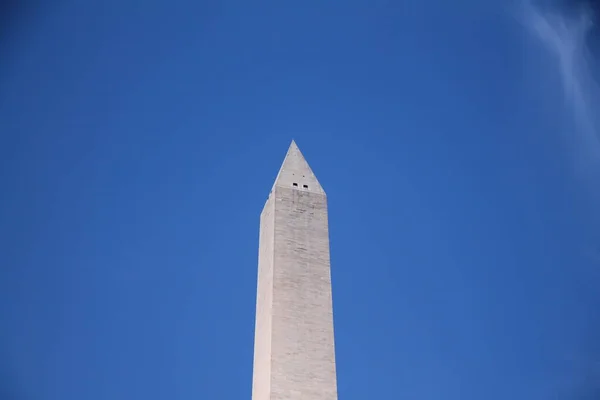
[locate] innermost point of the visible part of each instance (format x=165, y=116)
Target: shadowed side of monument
x=294, y=354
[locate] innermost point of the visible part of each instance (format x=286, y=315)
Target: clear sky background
x=138, y=144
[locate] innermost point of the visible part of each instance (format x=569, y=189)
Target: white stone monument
x=294, y=355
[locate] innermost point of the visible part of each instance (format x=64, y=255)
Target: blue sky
x=139, y=141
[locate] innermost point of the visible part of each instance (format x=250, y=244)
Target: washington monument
x=294, y=356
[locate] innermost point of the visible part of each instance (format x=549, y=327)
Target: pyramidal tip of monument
x=295, y=172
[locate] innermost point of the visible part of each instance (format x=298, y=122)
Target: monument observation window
x=295, y=184
x=305, y=186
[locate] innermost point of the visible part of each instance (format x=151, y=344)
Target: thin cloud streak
x=564, y=36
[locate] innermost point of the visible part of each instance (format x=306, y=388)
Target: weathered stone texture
x=294, y=356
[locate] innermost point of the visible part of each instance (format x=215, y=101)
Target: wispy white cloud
x=563, y=34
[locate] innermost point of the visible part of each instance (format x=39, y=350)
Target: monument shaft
x=294, y=356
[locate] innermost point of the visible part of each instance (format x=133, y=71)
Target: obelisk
x=294, y=354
